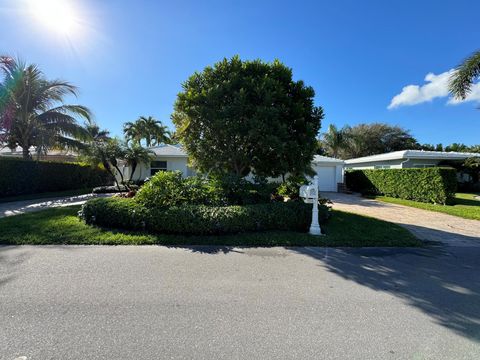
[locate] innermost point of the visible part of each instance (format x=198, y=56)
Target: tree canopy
x=247, y=116
x=366, y=139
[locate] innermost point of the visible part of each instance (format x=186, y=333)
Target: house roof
x=169, y=150
x=325, y=159
x=412, y=154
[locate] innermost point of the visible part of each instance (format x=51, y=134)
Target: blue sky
x=129, y=58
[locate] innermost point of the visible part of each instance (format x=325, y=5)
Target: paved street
x=81, y=302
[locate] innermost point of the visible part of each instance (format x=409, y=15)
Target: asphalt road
x=222, y=303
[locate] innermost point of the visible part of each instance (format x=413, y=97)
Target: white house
x=405, y=159
x=174, y=158
x=167, y=158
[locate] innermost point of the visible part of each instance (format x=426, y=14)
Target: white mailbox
x=310, y=194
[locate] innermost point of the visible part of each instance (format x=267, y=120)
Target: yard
x=62, y=226
x=465, y=206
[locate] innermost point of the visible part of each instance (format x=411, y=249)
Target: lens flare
x=57, y=15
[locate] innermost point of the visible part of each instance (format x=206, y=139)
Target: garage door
x=326, y=178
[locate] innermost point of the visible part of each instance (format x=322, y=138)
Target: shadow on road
x=442, y=282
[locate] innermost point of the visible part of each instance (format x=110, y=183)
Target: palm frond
x=462, y=79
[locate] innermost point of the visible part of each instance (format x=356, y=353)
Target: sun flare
x=58, y=15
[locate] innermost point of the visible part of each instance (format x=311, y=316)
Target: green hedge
x=18, y=177
x=430, y=185
x=199, y=219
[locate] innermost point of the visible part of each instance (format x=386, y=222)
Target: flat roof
x=413, y=154
x=326, y=159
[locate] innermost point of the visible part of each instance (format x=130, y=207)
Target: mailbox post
x=310, y=193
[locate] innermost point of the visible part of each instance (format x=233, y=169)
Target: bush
x=20, y=177
x=430, y=185
x=112, y=189
x=291, y=187
x=170, y=189
x=199, y=219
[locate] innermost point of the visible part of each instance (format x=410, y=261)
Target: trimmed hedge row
x=18, y=177
x=199, y=219
x=430, y=185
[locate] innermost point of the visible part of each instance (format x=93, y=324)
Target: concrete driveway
x=426, y=225
x=81, y=302
x=24, y=206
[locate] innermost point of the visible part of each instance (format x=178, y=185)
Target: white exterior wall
x=173, y=164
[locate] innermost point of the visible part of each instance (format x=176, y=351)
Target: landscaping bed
x=62, y=226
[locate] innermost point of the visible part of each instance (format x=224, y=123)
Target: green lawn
x=466, y=206
x=61, y=226
x=45, y=195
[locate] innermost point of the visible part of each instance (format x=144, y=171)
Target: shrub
x=111, y=189
x=291, y=187
x=168, y=188
x=435, y=185
x=199, y=219
x=20, y=176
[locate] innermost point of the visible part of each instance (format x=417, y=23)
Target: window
x=381, y=167
x=156, y=166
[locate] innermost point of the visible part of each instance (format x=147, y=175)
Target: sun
x=57, y=15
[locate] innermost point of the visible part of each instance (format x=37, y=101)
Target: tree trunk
x=134, y=167
x=26, y=153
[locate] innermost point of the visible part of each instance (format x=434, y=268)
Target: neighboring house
x=405, y=159
x=51, y=155
x=166, y=158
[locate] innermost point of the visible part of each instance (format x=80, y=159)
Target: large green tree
x=465, y=75
x=33, y=112
x=376, y=138
x=241, y=116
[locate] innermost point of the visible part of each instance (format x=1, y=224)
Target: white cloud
x=436, y=87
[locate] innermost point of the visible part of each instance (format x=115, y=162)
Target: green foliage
x=30, y=177
x=33, y=113
x=148, y=129
x=465, y=75
x=291, y=187
x=242, y=116
x=167, y=188
x=235, y=190
x=430, y=185
x=199, y=219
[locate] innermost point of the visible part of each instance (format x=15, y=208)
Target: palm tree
x=94, y=132
x=148, y=129
x=463, y=78
x=334, y=141
x=155, y=132
x=33, y=113
x=133, y=131
x=136, y=154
